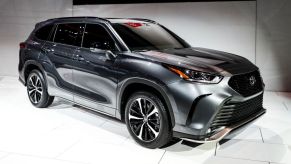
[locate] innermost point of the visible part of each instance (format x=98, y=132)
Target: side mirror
x=110, y=55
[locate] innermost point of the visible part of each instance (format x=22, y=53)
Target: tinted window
x=70, y=34
x=96, y=36
x=52, y=35
x=148, y=36
x=44, y=32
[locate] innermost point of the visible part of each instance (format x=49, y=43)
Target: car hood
x=201, y=59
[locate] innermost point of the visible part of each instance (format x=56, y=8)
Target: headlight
x=197, y=76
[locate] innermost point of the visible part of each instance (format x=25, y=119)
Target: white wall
x=227, y=26
x=17, y=20
x=274, y=43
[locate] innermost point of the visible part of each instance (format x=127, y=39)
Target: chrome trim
x=221, y=134
x=246, y=98
x=86, y=107
x=93, y=109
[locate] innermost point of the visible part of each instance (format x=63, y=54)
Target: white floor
x=65, y=134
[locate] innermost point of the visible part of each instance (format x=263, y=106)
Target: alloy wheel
x=144, y=119
x=35, y=89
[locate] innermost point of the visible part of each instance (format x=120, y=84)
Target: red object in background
x=133, y=24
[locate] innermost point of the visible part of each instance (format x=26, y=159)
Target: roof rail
x=79, y=17
x=140, y=19
x=103, y=19
x=143, y=19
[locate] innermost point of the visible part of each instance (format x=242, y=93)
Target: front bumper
x=227, y=130
x=195, y=107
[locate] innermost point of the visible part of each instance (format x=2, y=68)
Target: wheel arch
x=140, y=84
x=31, y=65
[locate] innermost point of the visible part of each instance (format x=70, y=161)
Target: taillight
x=22, y=45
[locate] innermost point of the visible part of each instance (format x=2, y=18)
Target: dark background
x=87, y=2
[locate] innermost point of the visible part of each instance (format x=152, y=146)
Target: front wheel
x=37, y=90
x=147, y=120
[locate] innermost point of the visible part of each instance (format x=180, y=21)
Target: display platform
x=68, y=134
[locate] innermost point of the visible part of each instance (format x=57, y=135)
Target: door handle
x=49, y=49
x=79, y=58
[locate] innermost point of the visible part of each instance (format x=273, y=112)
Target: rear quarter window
x=44, y=32
x=70, y=34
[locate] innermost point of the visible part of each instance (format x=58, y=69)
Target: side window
x=44, y=32
x=51, y=37
x=96, y=36
x=70, y=34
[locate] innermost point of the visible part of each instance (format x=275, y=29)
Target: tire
x=152, y=120
x=37, y=90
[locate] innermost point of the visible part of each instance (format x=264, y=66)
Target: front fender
x=162, y=89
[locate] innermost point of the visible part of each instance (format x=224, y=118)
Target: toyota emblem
x=252, y=80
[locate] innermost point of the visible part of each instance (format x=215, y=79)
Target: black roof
x=90, y=18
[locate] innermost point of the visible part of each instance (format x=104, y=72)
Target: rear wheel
x=37, y=90
x=147, y=120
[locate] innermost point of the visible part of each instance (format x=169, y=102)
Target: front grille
x=235, y=112
x=246, y=84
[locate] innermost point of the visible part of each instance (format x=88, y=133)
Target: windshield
x=147, y=36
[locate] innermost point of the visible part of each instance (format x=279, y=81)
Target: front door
x=94, y=73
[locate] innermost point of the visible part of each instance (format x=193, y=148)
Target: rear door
x=67, y=38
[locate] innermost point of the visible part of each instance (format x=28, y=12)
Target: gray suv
x=143, y=74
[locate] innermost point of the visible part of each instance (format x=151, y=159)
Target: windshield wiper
x=175, y=48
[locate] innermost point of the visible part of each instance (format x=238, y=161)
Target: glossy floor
x=67, y=134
